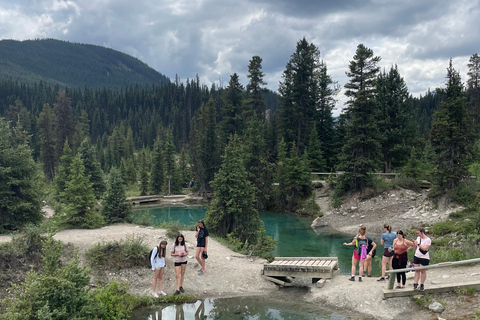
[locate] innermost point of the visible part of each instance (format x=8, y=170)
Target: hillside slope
x=73, y=64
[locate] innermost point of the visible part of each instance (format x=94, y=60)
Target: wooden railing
x=391, y=282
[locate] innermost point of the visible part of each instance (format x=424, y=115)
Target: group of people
x=180, y=253
x=395, y=248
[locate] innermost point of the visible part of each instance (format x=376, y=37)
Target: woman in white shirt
x=158, y=265
x=421, y=258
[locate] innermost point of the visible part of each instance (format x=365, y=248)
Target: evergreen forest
x=83, y=147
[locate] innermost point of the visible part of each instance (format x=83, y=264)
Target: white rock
x=228, y=258
x=436, y=307
x=353, y=208
x=475, y=274
x=445, y=276
x=362, y=217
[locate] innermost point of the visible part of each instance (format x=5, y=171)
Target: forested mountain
x=74, y=65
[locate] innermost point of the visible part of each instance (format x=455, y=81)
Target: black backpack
x=151, y=252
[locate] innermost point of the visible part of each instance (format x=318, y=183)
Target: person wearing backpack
x=180, y=252
x=360, y=252
x=157, y=259
x=387, y=242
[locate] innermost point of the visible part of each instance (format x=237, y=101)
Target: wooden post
x=391, y=281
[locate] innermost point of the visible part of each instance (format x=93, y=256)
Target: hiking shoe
x=382, y=279
x=201, y=272
x=359, y=279
x=369, y=275
x=415, y=286
x=422, y=288
x=162, y=293
x=155, y=295
x=181, y=290
x=351, y=279
x=176, y=293
x=398, y=287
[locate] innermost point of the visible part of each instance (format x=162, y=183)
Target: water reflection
x=244, y=308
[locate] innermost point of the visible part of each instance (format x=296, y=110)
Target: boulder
x=436, y=307
x=318, y=222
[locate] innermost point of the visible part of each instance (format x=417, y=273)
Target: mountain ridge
x=73, y=64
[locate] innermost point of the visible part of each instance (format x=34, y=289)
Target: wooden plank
x=448, y=287
x=277, y=281
x=320, y=283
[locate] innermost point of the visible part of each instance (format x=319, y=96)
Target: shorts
x=387, y=253
x=374, y=253
x=420, y=261
x=356, y=255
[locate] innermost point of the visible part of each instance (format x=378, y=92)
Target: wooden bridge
x=282, y=269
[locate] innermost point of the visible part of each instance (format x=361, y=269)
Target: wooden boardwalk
x=307, y=267
x=448, y=287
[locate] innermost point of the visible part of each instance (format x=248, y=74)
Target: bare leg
x=384, y=265
x=156, y=276
x=423, y=276
x=199, y=257
x=417, y=274
x=160, y=279
x=178, y=275
x=354, y=266
x=182, y=276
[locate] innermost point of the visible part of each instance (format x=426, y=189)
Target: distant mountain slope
x=73, y=64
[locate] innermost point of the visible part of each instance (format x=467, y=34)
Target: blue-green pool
x=293, y=234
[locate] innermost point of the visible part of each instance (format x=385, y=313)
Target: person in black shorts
x=202, y=243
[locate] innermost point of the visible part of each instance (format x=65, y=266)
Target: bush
x=466, y=193
x=442, y=228
x=114, y=301
x=309, y=206
x=117, y=255
x=407, y=183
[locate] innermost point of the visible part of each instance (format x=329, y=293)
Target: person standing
x=367, y=264
x=180, y=252
x=421, y=258
x=158, y=265
x=360, y=241
x=400, y=258
x=202, y=242
x=387, y=242
x=191, y=184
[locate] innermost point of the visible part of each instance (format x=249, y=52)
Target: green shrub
x=114, y=301
x=407, y=183
x=466, y=193
x=117, y=255
x=309, y=206
x=442, y=228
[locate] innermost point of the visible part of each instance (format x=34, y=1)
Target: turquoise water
x=293, y=234
x=245, y=308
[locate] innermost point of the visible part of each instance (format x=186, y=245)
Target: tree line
x=242, y=150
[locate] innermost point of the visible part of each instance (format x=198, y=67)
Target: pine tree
x=232, y=210
x=65, y=125
x=79, y=199
x=361, y=153
x=254, y=101
x=316, y=161
x=451, y=134
x=144, y=176
x=115, y=208
x=157, y=177
x=300, y=94
x=92, y=167
x=473, y=89
x=232, y=111
x=20, y=195
x=394, y=120
x=204, y=146
x=46, y=131
x=64, y=171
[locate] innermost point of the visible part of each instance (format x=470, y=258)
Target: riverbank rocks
x=318, y=223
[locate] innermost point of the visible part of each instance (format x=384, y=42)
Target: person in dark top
x=191, y=184
x=368, y=260
x=202, y=243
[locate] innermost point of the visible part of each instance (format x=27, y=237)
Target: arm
x=152, y=258
x=351, y=243
x=409, y=244
x=196, y=233
x=374, y=245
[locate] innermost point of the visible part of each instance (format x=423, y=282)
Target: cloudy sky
x=214, y=38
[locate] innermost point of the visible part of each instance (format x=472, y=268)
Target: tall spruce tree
x=395, y=119
x=473, y=89
x=361, y=153
x=157, y=176
x=78, y=199
x=65, y=125
x=451, y=134
x=232, y=210
x=115, y=208
x=300, y=94
x=20, y=196
x=204, y=146
x=46, y=130
x=92, y=167
x=232, y=111
x=254, y=101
